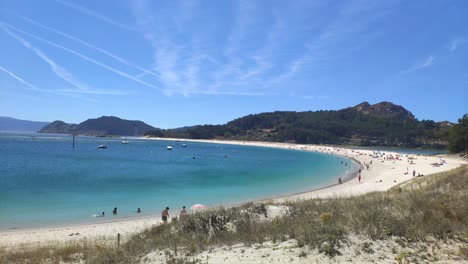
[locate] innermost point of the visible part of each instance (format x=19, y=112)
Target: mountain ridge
x=384, y=108
x=384, y=124
x=10, y=124
x=101, y=126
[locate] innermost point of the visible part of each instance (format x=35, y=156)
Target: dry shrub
x=326, y=218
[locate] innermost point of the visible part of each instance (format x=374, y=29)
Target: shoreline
x=377, y=178
x=346, y=176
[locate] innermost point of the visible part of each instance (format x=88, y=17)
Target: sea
x=45, y=181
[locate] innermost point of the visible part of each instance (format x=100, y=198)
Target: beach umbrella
x=198, y=207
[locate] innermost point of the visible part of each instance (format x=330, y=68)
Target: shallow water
x=44, y=181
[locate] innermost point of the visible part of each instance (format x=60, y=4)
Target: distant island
x=102, y=126
x=381, y=124
x=10, y=124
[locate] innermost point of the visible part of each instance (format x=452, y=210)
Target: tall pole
x=73, y=140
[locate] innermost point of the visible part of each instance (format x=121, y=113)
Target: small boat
x=169, y=147
x=125, y=142
x=102, y=146
x=184, y=145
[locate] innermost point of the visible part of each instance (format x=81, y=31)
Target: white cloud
x=261, y=51
x=178, y=65
x=455, y=44
x=315, y=97
x=349, y=30
x=427, y=62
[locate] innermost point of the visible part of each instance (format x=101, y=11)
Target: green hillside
x=102, y=126
x=383, y=124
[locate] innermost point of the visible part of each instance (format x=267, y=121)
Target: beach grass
x=431, y=207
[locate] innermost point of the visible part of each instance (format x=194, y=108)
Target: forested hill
x=102, y=126
x=384, y=124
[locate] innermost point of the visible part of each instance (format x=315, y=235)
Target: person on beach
x=359, y=178
x=165, y=215
x=99, y=215
x=115, y=210
x=183, y=213
x=138, y=210
x=414, y=173
x=339, y=180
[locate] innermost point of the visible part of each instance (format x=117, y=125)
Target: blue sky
x=176, y=63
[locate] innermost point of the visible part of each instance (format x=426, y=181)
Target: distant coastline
x=381, y=176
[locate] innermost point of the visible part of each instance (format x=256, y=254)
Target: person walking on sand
x=183, y=213
x=339, y=180
x=165, y=215
x=359, y=178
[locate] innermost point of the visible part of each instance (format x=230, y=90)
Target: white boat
x=125, y=142
x=102, y=146
x=169, y=147
x=184, y=145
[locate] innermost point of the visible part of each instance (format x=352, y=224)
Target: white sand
x=381, y=176
x=357, y=249
x=101, y=232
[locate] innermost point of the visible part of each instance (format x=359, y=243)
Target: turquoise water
x=44, y=181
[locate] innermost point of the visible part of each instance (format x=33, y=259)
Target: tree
x=458, y=136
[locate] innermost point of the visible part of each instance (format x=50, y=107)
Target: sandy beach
x=385, y=170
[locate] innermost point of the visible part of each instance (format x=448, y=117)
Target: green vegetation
x=58, y=127
x=102, y=126
x=435, y=206
x=458, y=136
x=383, y=124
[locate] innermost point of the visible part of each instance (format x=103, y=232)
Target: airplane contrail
x=89, y=45
x=96, y=15
x=84, y=57
x=21, y=80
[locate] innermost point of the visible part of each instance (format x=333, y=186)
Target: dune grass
x=434, y=206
